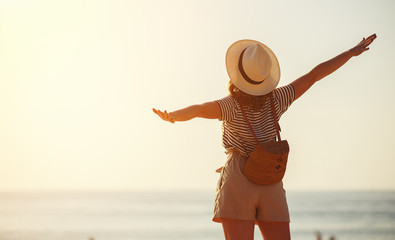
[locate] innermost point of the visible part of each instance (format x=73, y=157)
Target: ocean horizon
x=178, y=214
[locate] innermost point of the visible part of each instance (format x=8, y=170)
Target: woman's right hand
x=164, y=115
x=302, y=84
x=362, y=46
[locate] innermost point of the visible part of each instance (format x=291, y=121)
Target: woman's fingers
x=373, y=36
x=369, y=40
x=158, y=112
x=164, y=115
x=363, y=45
x=161, y=115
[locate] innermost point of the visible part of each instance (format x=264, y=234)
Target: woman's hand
x=362, y=46
x=164, y=115
x=302, y=84
x=208, y=110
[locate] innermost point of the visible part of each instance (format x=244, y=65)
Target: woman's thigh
x=238, y=229
x=275, y=230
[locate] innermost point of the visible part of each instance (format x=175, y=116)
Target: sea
x=176, y=215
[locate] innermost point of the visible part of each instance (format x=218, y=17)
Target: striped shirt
x=235, y=131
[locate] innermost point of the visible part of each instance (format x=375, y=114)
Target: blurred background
x=79, y=79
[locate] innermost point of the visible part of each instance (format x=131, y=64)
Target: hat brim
x=232, y=61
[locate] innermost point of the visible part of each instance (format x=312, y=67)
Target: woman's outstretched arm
x=302, y=84
x=209, y=110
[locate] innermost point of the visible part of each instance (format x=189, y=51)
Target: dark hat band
x=243, y=73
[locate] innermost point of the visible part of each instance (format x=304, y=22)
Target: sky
x=78, y=80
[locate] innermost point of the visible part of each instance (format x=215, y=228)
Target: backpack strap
x=278, y=129
x=274, y=118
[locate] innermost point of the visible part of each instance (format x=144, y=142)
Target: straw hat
x=252, y=67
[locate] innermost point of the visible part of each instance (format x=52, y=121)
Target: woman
x=254, y=74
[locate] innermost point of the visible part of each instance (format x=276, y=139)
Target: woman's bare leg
x=238, y=229
x=275, y=230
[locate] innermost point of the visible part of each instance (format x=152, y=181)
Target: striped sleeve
x=228, y=108
x=284, y=96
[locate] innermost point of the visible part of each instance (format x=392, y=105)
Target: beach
x=165, y=215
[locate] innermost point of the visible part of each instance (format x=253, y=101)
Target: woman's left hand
x=164, y=115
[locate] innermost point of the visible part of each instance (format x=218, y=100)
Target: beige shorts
x=238, y=198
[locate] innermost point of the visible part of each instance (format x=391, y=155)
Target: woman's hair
x=245, y=99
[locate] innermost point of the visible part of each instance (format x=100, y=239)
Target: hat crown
x=256, y=63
